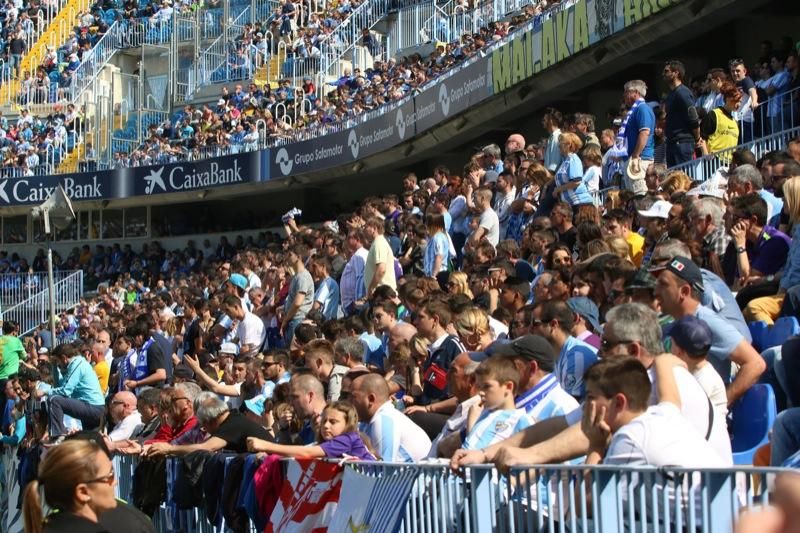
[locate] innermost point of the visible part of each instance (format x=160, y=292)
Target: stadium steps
x=269, y=72
x=56, y=35
x=70, y=162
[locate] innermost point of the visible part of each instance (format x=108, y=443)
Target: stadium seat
x=759, y=331
x=784, y=327
x=753, y=415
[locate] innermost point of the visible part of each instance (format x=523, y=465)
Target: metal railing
x=347, y=35
x=599, y=499
x=94, y=61
x=704, y=168
x=32, y=311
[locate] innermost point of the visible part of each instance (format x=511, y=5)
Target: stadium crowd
x=495, y=314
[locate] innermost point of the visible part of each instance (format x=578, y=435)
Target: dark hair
x=519, y=286
x=752, y=205
x=558, y=310
x=554, y=115
x=676, y=66
x=621, y=375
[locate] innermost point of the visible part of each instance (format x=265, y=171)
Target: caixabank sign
x=120, y=183
x=541, y=44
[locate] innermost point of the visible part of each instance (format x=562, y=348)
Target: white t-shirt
x=491, y=223
x=592, y=178
x=711, y=382
x=126, y=427
x=694, y=407
x=395, y=436
x=251, y=330
x=661, y=436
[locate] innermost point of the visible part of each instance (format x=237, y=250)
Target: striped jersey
x=395, y=437
x=546, y=400
x=575, y=357
x=495, y=425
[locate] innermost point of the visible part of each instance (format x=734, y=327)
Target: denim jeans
x=785, y=436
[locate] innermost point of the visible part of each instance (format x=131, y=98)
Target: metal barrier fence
x=598, y=499
x=705, y=167
x=32, y=311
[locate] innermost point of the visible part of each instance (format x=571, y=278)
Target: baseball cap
x=660, y=209
x=692, y=334
x=686, y=269
x=256, y=404
x=587, y=309
x=642, y=280
x=531, y=347
x=229, y=348
x=238, y=280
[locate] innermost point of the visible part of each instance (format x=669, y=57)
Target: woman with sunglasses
x=77, y=480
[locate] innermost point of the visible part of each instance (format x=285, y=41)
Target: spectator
x=719, y=131
x=682, y=127
x=326, y=297
x=353, y=289
x=554, y=321
x=228, y=430
x=678, y=287
x=126, y=418
x=338, y=438
x=320, y=360
x=379, y=265
x=570, y=187
x=78, y=394
x=437, y=251
x=307, y=396
x=395, y=437
x=301, y=293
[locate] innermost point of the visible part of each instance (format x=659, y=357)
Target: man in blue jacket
x=78, y=393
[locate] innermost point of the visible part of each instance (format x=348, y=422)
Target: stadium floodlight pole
x=59, y=207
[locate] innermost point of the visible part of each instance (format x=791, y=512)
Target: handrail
x=93, y=62
x=344, y=37
x=33, y=311
x=703, y=168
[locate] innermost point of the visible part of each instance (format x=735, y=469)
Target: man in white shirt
x=395, y=437
x=489, y=224
x=250, y=332
x=125, y=417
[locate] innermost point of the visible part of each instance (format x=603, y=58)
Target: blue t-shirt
x=576, y=356
x=642, y=118
x=437, y=245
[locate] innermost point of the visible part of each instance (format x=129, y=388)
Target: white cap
x=229, y=347
x=707, y=191
x=660, y=209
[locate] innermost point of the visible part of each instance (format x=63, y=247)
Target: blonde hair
x=619, y=246
x=419, y=345
x=471, y=324
x=460, y=283
x=676, y=181
x=64, y=467
x=791, y=197
x=571, y=141
x=613, y=198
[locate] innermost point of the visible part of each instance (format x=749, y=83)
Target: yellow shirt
x=636, y=245
x=725, y=136
x=102, y=371
x=380, y=253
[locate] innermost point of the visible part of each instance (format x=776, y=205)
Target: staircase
x=70, y=163
x=56, y=33
x=33, y=310
x=269, y=72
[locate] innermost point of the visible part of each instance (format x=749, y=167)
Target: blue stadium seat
x=784, y=327
x=759, y=331
x=753, y=415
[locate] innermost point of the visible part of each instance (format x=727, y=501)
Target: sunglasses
x=108, y=479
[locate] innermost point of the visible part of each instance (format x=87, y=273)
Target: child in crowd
x=338, y=438
x=691, y=340
x=495, y=418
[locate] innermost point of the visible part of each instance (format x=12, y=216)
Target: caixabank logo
x=28, y=191
x=178, y=179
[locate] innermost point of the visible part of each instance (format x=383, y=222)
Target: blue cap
x=692, y=335
x=256, y=404
x=587, y=310
x=238, y=280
